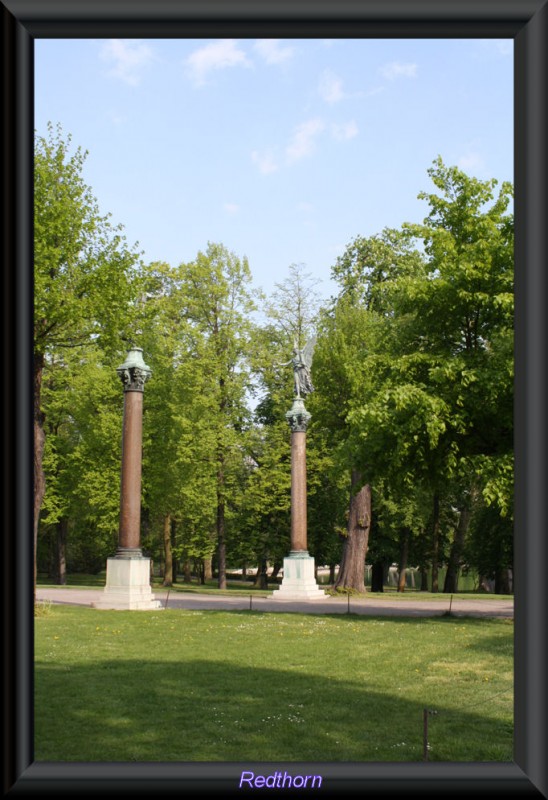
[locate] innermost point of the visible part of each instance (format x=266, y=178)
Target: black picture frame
x=524, y=21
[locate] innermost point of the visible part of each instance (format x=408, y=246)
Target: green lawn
x=181, y=685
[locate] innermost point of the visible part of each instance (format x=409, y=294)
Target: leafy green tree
x=178, y=483
x=218, y=304
x=81, y=459
x=415, y=365
x=85, y=276
x=466, y=308
x=489, y=549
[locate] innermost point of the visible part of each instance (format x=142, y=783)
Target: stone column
x=128, y=573
x=129, y=532
x=298, y=581
x=298, y=419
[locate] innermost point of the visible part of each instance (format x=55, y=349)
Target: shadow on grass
x=209, y=710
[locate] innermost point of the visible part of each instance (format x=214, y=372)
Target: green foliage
x=413, y=375
x=84, y=274
x=490, y=545
x=86, y=281
x=414, y=362
x=198, y=341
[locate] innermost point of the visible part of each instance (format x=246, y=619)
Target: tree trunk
x=187, y=572
x=452, y=576
x=332, y=573
x=503, y=581
x=168, y=568
x=424, y=579
x=275, y=570
x=404, y=554
x=435, y=541
x=352, y=571
x=377, y=577
x=39, y=441
x=174, y=560
x=261, y=580
x=61, y=551
x=208, y=569
x=221, y=544
x=200, y=570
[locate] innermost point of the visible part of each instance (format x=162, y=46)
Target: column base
x=298, y=582
x=128, y=586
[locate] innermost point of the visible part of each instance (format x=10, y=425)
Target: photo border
x=526, y=22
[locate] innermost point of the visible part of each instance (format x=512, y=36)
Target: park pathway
x=389, y=607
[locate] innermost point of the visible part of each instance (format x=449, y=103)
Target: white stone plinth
x=128, y=586
x=298, y=582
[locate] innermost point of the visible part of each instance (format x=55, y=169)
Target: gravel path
x=330, y=605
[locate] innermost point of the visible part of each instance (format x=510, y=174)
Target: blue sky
x=283, y=150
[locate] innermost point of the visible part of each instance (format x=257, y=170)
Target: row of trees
x=409, y=449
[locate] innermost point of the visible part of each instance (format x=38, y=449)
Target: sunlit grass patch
x=230, y=686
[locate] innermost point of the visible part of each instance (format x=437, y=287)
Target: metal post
x=426, y=747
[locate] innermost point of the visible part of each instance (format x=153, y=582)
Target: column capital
x=134, y=373
x=298, y=417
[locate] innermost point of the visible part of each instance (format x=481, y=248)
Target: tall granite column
x=298, y=581
x=298, y=419
x=128, y=573
x=134, y=373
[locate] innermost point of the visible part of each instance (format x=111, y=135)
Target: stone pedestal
x=128, y=586
x=298, y=581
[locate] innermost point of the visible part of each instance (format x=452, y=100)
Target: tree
x=218, y=306
x=490, y=547
x=414, y=365
x=466, y=310
x=178, y=487
x=339, y=345
x=84, y=280
x=352, y=570
x=294, y=305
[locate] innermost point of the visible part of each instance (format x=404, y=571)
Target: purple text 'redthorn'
x=279, y=780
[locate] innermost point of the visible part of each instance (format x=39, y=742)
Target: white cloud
x=127, y=58
x=272, y=52
x=231, y=208
x=374, y=91
x=303, y=143
x=215, y=56
x=330, y=87
x=344, y=131
x=304, y=139
x=264, y=161
x=395, y=69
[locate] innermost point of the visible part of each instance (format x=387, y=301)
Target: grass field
x=183, y=685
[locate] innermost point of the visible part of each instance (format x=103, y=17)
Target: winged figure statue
x=302, y=363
